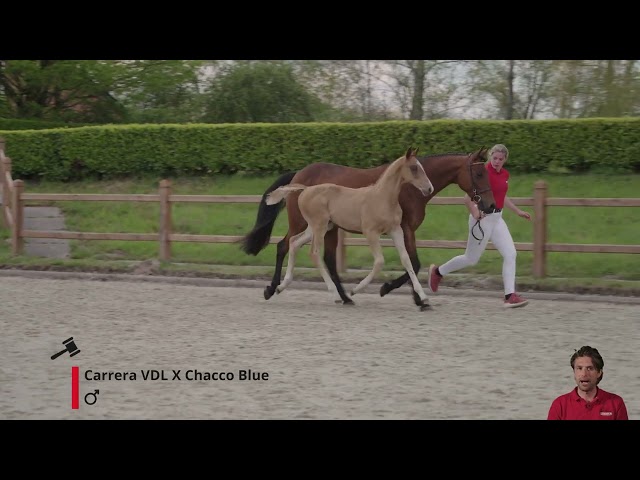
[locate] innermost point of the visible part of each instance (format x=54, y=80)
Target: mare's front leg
x=330, y=260
x=398, y=239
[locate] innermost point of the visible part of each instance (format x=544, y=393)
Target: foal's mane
x=393, y=167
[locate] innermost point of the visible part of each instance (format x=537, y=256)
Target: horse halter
x=476, y=197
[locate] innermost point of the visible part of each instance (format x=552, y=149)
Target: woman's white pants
x=496, y=230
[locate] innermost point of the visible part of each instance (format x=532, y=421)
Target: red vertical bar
x=75, y=387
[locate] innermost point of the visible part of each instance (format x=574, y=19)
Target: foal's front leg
x=398, y=240
x=378, y=260
x=410, y=246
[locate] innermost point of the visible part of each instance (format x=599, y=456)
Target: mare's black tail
x=258, y=238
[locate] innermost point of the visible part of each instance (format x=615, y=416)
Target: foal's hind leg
x=378, y=261
x=297, y=225
x=398, y=240
x=294, y=245
x=320, y=229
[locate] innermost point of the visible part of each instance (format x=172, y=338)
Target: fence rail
x=14, y=198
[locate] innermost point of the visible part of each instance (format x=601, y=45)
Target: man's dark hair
x=596, y=358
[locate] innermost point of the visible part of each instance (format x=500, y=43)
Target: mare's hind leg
x=398, y=240
x=378, y=261
x=330, y=248
x=294, y=245
x=281, y=252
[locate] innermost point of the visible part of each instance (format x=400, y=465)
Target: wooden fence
x=14, y=199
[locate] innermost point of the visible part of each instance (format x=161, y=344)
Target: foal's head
x=412, y=172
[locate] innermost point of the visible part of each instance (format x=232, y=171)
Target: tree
x=258, y=92
x=160, y=91
x=348, y=90
x=512, y=89
x=68, y=90
x=424, y=89
x=597, y=88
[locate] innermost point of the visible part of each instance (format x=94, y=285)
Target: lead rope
x=481, y=231
x=476, y=199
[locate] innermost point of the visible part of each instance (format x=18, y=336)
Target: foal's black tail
x=258, y=238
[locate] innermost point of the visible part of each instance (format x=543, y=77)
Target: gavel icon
x=71, y=348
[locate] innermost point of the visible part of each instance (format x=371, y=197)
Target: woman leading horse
x=467, y=170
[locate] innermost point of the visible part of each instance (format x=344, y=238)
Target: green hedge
x=206, y=149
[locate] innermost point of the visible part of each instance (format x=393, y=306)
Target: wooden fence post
x=539, y=229
x=341, y=252
x=17, y=207
x=165, y=219
x=5, y=171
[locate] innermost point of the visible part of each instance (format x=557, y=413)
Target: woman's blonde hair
x=500, y=148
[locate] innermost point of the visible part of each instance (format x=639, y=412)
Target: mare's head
x=474, y=180
x=411, y=171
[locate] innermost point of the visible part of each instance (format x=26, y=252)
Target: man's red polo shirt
x=606, y=406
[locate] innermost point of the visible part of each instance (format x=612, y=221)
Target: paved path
x=468, y=358
x=44, y=218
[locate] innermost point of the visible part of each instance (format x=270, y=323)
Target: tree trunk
x=417, y=103
x=510, y=97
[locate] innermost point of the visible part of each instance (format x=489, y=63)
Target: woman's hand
x=523, y=214
x=476, y=213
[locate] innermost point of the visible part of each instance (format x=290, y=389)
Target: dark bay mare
x=374, y=210
x=467, y=170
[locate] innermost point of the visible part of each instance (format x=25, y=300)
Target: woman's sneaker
x=515, y=301
x=434, y=278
